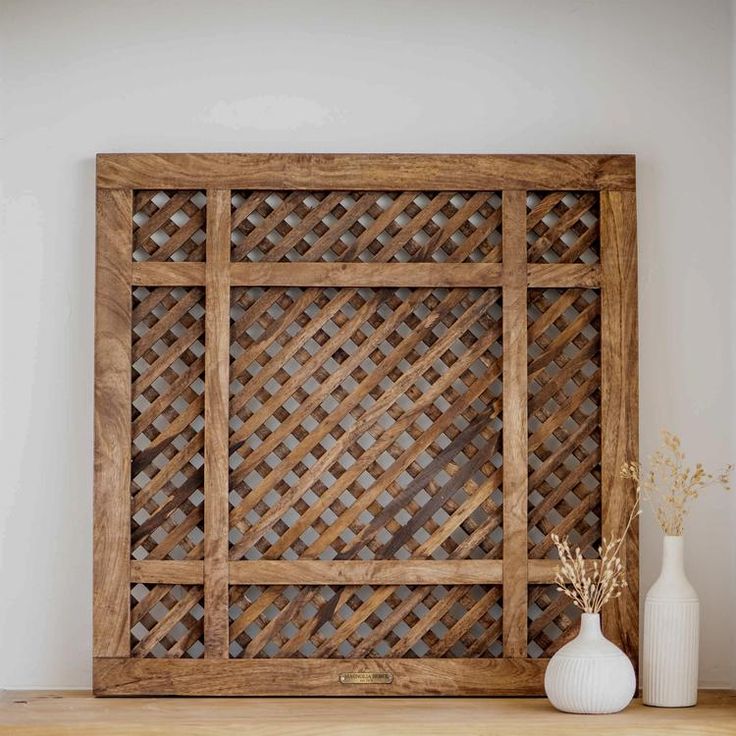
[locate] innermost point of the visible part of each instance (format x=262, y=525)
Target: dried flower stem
x=590, y=584
x=669, y=485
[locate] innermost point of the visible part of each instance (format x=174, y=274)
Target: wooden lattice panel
x=553, y=620
x=166, y=621
x=169, y=225
x=365, y=424
x=167, y=469
x=564, y=419
x=371, y=227
x=355, y=622
x=562, y=227
x=342, y=404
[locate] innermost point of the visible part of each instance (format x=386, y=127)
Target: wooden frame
x=563, y=271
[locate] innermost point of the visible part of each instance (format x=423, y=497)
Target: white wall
x=79, y=77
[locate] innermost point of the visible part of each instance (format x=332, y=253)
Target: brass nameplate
x=366, y=678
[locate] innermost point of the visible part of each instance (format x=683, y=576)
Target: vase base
x=658, y=705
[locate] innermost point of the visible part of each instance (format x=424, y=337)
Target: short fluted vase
x=590, y=674
x=671, y=634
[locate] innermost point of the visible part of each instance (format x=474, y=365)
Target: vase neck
x=590, y=626
x=672, y=583
x=673, y=559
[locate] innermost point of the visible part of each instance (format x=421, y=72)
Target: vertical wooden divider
x=112, y=450
x=216, y=398
x=620, y=400
x=515, y=460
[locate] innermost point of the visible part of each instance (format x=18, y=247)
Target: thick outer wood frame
x=115, y=671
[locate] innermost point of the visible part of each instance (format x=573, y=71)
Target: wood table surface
x=25, y=712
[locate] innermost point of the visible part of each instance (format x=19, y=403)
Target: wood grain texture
x=216, y=454
x=369, y=572
x=567, y=275
x=37, y=713
x=316, y=677
x=544, y=571
x=620, y=401
x=112, y=424
x=514, y=426
x=330, y=572
x=366, y=274
x=363, y=171
x=545, y=275
x=155, y=273
x=167, y=571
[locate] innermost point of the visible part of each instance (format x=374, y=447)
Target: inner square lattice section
x=365, y=621
x=375, y=227
x=563, y=227
x=564, y=420
x=553, y=620
x=365, y=423
x=169, y=225
x=167, y=454
x=167, y=621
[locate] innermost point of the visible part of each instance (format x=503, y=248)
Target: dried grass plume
x=669, y=485
x=590, y=584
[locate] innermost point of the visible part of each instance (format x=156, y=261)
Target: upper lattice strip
x=371, y=227
x=563, y=227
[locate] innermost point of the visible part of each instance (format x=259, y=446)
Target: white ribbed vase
x=590, y=674
x=671, y=634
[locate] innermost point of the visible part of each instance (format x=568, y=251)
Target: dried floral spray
x=669, y=485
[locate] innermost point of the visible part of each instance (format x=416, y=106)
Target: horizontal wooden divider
x=539, y=275
x=364, y=171
x=420, y=676
x=153, y=273
x=348, y=572
x=374, y=572
x=150, y=273
x=366, y=274
x=181, y=572
x=563, y=275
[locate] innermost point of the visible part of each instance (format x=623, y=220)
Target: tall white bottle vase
x=671, y=634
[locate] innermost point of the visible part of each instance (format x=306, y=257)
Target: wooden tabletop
x=24, y=712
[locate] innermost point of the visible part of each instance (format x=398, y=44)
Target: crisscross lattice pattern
x=366, y=226
x=365, y=423
x=355, y=621
x=169, y=225
x=166, y=621
x=562, y=227
x=564, y=419
x=553, y=620
x=168, y=423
